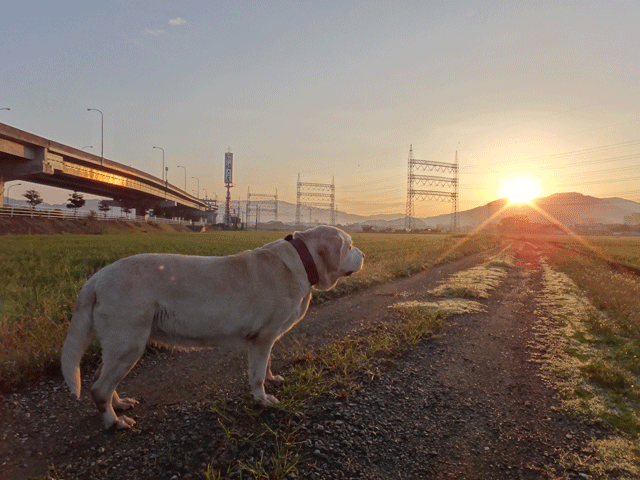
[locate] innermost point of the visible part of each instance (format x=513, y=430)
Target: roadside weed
x=592, y=362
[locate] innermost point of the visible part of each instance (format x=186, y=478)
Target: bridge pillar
x=1, y=192
x=210, y=216
x=141, y=211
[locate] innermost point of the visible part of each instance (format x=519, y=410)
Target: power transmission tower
x=261, y=203
x=416, y=179
x=316, y=195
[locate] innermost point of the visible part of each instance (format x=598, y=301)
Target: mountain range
x=566, y=208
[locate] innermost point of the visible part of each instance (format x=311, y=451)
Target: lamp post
x=185, y=177
x=198, y=194
x=9, y=188
x=160, y=148
x=101, y=133
x=164, y=173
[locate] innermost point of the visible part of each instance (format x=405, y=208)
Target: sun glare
x=520, y=189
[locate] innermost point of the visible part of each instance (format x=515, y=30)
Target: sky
x=335, y=91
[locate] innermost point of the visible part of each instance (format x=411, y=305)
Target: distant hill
x=567, y=208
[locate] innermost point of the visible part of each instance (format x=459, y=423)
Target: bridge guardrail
x=17, y=211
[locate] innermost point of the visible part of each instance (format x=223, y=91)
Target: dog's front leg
x=259, y=353
x=272, y=379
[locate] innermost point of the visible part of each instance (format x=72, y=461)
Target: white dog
x=190, y=301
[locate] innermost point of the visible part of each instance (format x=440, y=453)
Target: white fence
x=16, y=211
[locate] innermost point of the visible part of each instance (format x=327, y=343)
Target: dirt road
x=468, y=403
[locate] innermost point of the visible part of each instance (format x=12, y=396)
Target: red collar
x=307, y=259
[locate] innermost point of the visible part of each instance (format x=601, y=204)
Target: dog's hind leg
x=119, y=359
x=117, y=402
x=259, y=353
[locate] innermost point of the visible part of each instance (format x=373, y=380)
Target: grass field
x=593, y=351
x=43, y=274
x=594, y=345
x=621, y=249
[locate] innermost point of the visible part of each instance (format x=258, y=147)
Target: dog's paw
x=276, y=380
x=120, y=423
x=124, y=423
x=125, y=404
x=267, y=400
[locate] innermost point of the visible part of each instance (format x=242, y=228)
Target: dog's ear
x=329, y=252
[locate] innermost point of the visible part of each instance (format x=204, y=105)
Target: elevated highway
x=28, y=157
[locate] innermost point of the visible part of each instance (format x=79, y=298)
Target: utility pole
x=228, y=180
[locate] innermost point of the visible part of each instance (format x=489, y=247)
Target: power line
x=576, y=153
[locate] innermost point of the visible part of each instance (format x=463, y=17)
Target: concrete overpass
x=24, y=156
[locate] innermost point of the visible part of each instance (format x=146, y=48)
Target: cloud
x=153, y=33
x=156, y=32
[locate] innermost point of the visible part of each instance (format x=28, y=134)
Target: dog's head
x=333, y=253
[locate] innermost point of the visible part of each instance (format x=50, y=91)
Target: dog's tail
x=78, y=336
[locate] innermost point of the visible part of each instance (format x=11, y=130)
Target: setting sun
x=520, y=189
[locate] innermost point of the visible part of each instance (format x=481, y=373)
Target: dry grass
x=476, y=282
x=390, y=256
x=591, y=358
x=456, y=291
x=620, y=249
x=450, y=306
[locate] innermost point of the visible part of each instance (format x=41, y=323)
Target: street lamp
x=198, y=194
x=5, y=108
x=164, y=174
x=9, y=188
x=88, y=146
x=101, y=133
x=185, y=177
x=160, y=148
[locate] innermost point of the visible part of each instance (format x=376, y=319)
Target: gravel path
x=465, y=404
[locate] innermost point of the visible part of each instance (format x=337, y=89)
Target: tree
x=33, y=198
x=126, y=205
x=104, y=207
x=76, y=201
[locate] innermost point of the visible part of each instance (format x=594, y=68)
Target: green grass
x=42, y=275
